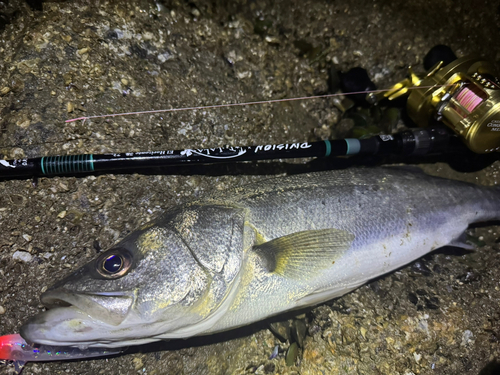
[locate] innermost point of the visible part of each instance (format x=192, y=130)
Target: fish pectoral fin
x=301, y=255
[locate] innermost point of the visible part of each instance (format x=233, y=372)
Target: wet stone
x=412, y=297
x=292, y=354
x=281, y=330
x=432, y=303
x=421, y=268
x=269, y=368
x=299, y=331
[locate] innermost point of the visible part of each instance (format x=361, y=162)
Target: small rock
x=68, y=78
x=432, y=303
x=195, y=12
x=412, y=297
x=417, y=357
x=299, y=332
x=24, y=124
x=362, y=330
x=23, y=256
x=272, y=39
x=137, y=363
x=281, y=330
x=260, y=370
x=165, y=56
x=2, y=310
x=275, y=352
x=291, y=354
x=420, y=267
x=467, y=338
x=269, y=368
x=83, y=51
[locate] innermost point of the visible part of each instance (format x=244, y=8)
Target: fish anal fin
x=464, y=242
x=323, y=295
x=301, y=255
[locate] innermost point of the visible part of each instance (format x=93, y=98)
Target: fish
x=240, y=256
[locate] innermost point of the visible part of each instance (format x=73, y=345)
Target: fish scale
x=251, y=252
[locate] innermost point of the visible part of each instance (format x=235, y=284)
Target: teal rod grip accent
x=41, y=165
x=353, y=146
x=328, y=148
x=53, y=165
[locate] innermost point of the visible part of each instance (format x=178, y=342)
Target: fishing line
x=213, y=106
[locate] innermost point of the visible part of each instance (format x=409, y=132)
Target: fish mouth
x=108, y=307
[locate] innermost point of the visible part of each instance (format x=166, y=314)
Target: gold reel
x=464, y=95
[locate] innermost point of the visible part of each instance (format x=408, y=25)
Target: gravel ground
x=438, y=315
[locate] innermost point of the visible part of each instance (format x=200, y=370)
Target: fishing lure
x=15, y=349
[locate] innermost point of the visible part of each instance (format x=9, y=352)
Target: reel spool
x=464, y=95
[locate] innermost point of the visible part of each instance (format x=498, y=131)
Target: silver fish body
x=237, y=257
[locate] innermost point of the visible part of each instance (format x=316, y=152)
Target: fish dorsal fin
x=301, y=255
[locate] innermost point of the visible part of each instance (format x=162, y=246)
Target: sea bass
x=252, y=252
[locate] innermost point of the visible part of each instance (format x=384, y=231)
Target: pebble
x=291, y=354
x=280, y=330
x=195, y=12
x=23, y=256
x=2, y=310
x=467, y=338
x=299, y=331
x=83, y=51
x=17, y=153
x=165, y=56
x=362, y=330
x=417, y=357
x=275, y=352
x=138, y=364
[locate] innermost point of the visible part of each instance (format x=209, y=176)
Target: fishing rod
x=464, y=95
x=409, y=142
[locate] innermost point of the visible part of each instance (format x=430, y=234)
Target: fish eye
x=114, y=263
